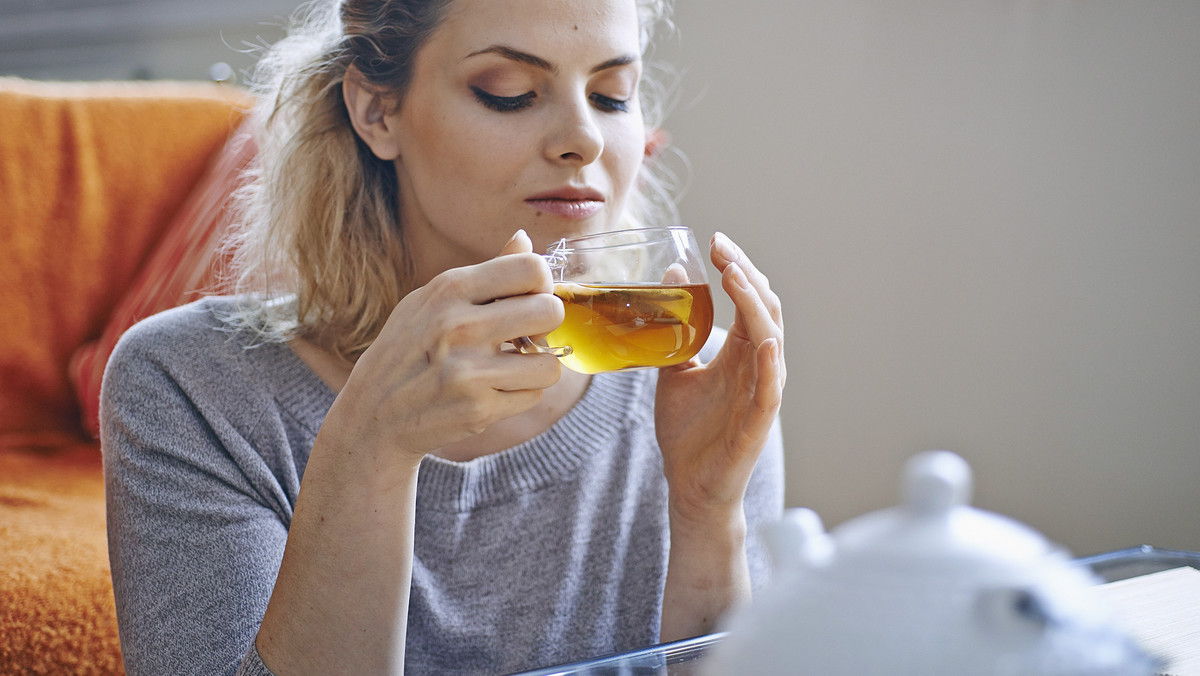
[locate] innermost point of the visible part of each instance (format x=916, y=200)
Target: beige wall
x=984, y=221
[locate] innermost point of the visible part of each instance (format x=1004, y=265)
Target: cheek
x=458, y=155
x=627, y=150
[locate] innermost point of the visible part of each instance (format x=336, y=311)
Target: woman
x=265, y=504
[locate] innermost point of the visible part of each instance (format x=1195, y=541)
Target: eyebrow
x=540, y=63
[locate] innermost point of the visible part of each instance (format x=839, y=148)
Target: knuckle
x=775, y=306
x=454, y=331
x=771, y=302
x=549, y=370
x=532, y=267
x=459, y=378
x=472, y=413
x=552, y=307
x=545, y=278
x=477, y=416
x=452, y=283
x=461, y=333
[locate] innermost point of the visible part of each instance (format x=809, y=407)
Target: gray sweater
x=549, y=552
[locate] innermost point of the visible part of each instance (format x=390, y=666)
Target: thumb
x=518, y=243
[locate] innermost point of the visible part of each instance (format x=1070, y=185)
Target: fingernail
x=725, y=247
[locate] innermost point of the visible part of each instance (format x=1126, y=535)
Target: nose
x=575, y=137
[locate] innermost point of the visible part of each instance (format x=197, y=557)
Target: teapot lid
x=935, y=530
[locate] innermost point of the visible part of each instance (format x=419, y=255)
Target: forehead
x=554, y=29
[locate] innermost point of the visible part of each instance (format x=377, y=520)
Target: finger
x=482, y=389
x=514, y=402
x=482, y=329
x=518, y=243
x=528, y=315
x=487, y=409
x=724, y=252
x=752, y=316
x=517, y=372
x=507, y=275
x=517, y=382
x=768, y=393
x=772, y=375
x=675, y=274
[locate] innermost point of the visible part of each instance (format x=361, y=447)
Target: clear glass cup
x=636, y=298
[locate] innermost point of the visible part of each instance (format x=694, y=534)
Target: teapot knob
x=935, y=481
x=798, y=539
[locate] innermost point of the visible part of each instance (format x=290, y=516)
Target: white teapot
x=931, y=587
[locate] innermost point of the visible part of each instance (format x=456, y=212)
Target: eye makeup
x=609, y=104
x=491, y=85
x=504, y=104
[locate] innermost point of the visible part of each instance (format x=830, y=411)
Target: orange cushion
x=90, y=174
x=57, y=614
x=184, y=265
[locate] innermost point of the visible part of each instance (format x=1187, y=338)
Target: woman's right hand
x=435, y=375
x=437, y=372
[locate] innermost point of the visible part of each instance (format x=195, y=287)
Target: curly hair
x=320, y=248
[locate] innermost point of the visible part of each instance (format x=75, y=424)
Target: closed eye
x=609, y=104
x=504, y=104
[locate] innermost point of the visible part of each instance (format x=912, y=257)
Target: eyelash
x=504, y=104
x=511, y=104
x=610, y=104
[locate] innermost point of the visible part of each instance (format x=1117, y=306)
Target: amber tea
x=634, y=298
x=612, y=327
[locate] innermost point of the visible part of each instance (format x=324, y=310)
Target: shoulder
x=192, y=347
x=178, y=323
x=201, y=331
x=175, y=329
x=188, y=376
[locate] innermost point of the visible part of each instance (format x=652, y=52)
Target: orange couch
x=111, y=195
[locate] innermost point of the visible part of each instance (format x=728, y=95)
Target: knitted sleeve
x=764, y=499
x=764, y=504
x=197, y=520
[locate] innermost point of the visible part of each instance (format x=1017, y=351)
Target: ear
x=370, y=115
x=657, y=140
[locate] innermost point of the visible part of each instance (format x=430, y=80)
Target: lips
x=570, y=203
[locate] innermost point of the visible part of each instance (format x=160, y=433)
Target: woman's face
x=520, y=114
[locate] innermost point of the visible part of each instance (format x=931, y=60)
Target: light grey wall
x=122, y=39
x=984, y=221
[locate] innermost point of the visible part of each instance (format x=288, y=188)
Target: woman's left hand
x=713, y=419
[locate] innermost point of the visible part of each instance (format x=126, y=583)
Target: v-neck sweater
x=544, y=553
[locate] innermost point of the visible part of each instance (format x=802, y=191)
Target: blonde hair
x=320, y=251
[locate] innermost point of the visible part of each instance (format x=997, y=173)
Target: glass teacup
x=635, y=298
